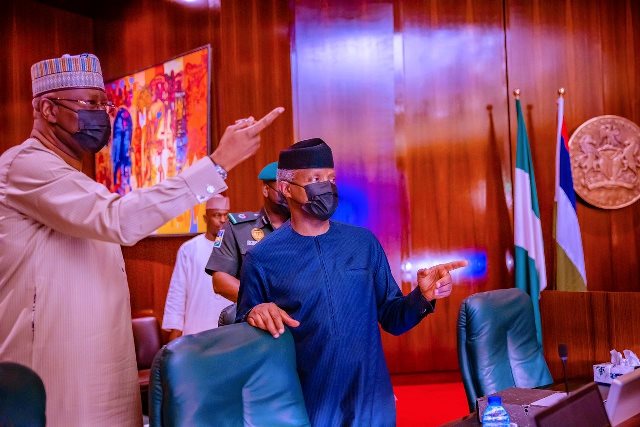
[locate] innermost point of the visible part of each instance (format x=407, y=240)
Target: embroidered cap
x=68, y=72
x=218, y=202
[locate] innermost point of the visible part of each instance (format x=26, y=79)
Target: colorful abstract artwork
x=160, y=128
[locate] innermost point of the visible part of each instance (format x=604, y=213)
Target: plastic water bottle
x=495, y=415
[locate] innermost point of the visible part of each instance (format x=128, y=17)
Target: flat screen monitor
x=582, y=407
x=623, y=401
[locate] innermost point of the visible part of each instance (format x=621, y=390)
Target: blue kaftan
x=339, y=286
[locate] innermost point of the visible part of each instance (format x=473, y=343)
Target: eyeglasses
x=107, y=106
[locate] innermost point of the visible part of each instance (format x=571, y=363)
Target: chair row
x=237, y=374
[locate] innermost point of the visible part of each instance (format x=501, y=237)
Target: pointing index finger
x=261, y=124
x=454, y=265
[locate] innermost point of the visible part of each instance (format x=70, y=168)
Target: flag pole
x=516, y=93
x=561, y=92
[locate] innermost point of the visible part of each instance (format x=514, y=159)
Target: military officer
x=242, y=232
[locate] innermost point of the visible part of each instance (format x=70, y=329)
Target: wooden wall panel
x=572, y=327
x=620, y=39
x=251, y=75
x=591, y=324
x=588, y=47
x=30, y=32
x=454, y=153
x=255, y=77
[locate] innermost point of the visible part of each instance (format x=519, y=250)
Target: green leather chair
x=22, y=396
x=497, y=344
x=235, y=375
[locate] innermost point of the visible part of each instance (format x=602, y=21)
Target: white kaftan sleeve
x=176, y=304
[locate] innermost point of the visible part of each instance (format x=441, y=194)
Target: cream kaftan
x=64, y=300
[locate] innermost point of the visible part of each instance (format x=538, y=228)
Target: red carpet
x=429, y=404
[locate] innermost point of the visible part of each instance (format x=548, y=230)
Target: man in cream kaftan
x=64, y=300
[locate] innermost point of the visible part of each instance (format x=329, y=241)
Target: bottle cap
x=495, y=400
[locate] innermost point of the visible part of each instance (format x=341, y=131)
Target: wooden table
x=574, y=384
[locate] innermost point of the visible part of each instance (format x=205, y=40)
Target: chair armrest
x=227, y=315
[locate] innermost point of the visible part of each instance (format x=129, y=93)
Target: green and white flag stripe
x=531, y=274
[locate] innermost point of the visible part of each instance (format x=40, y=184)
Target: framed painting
x=160, y=128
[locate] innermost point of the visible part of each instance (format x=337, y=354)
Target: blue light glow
x=477, y=268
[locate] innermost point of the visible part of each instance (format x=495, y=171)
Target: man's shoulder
x=193, y=241
x=29, y=153
x=11, y=153
x=190, y=244
x=245, y=226
x=353, y=230
x=26, y=147
x=272, y=242
x=243, y=217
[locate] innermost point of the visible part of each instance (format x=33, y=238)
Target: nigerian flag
x=531, y=275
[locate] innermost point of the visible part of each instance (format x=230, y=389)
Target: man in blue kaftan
x=334, y=280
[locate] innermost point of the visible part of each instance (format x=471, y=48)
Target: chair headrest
x=22, y=396
x=147, y=340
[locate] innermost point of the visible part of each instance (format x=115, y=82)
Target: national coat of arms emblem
x=605, y=161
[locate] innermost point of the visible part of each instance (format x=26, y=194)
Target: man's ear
x=285, y=189
x=47, y=109
x=205, y=218
x=265, y=190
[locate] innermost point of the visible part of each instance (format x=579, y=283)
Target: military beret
x=268, y=173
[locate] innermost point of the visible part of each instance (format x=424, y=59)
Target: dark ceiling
x=91, y=9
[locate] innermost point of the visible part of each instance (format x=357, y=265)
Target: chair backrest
x=227, y=315
x=232, y=376
x=497, y=344
x=582, y=407
x=22, y=396
x=147, y=340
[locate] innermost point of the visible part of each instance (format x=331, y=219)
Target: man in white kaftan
x=192, y=306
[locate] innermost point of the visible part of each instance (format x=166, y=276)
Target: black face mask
x=322, y=199
x=281, y=206
x=281, y=200
x=94, y=129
